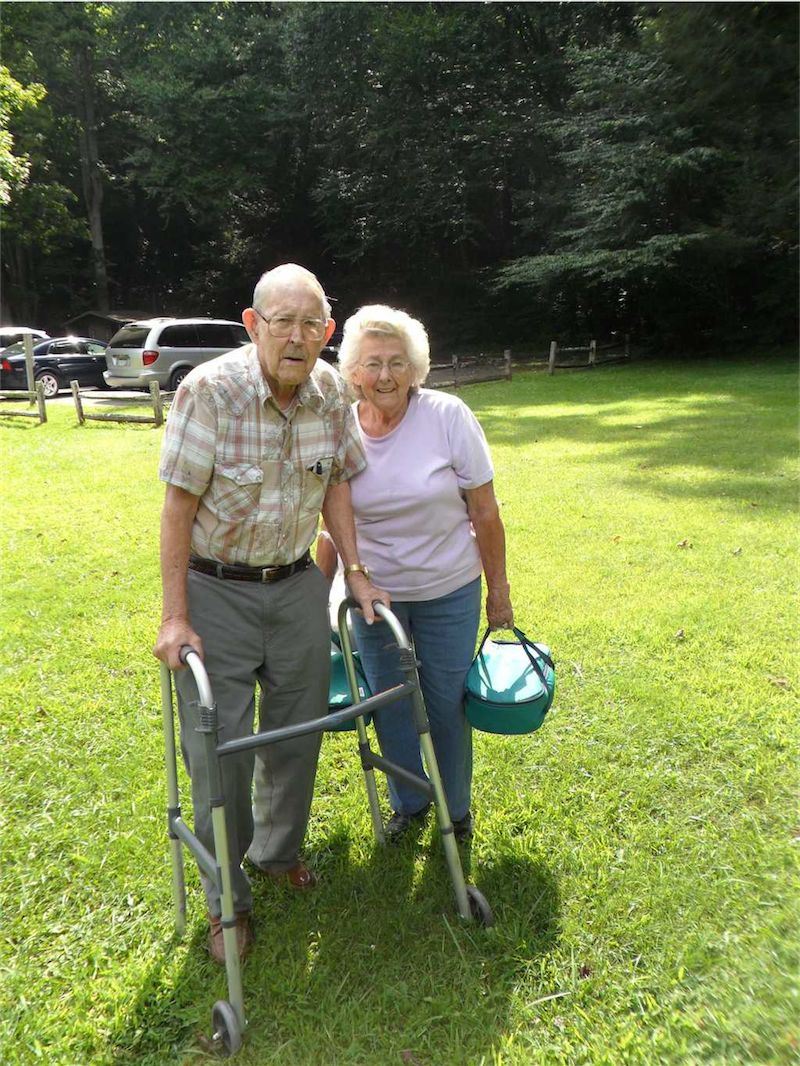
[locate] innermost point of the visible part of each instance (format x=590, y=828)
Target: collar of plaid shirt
x=240, y=395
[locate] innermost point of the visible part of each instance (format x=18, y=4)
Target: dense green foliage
x=506, y=171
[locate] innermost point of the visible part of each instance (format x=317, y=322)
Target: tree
x=14, y=98
x=682, y=191
x=65, y=40
x=607, y=166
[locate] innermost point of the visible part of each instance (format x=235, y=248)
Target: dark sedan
x=56, y=362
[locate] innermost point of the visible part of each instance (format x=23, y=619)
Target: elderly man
x=258, y=443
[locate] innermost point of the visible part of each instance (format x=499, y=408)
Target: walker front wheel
x=478, y=905
x=225, y=1026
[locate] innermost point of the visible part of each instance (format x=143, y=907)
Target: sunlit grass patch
x=637, y=851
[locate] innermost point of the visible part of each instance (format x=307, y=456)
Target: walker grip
x=190, y=657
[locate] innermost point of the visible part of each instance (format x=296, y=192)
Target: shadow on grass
x=734, y=426
x=11, y=422
x=374, y=965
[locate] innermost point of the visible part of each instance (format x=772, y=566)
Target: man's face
x=287, y=361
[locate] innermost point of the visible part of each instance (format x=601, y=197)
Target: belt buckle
x=267, y=573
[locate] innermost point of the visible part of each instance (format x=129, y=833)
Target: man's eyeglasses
x=279, y=326
x=395, y=367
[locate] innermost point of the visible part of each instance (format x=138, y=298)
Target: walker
x=227, y=1016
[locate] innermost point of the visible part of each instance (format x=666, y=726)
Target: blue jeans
x=444, y=632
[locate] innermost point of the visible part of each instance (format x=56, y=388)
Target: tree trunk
x=20, y=299
x=90, y=173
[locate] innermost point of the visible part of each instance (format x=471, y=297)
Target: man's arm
x=176, y=630
x=490, y=534
x=337, y=513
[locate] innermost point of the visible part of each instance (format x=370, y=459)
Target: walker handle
x=391, y=619
x=384, y=612
x=191, y=658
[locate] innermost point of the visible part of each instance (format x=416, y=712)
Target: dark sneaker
x=464, y=828
x=399, y=824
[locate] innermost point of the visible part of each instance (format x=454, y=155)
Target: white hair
x=288, y=272
x=382, y=321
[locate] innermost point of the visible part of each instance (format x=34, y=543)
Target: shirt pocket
x=316, y=476
x=237, y=490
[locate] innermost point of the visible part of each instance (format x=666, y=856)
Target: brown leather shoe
x=244, y=937
x=299, y=876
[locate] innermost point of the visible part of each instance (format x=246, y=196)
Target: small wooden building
x=102, y=324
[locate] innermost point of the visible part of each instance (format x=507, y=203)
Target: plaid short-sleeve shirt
x=261, y=473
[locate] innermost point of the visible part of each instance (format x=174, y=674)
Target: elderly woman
x=428, y=524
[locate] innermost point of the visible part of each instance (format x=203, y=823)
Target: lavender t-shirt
x=414, y=532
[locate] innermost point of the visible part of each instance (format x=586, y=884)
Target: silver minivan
x=166, y=349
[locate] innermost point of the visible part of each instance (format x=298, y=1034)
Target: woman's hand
x=499, y=612
x=362, y=589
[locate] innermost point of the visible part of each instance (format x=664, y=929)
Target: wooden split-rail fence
x=34, y=397
x=622, y=352
x=470, y=369
x=156, y=419
x=34, y=394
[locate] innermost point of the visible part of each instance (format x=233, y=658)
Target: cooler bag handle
x=526, y=647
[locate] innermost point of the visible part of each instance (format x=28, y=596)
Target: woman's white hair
x=378, y=320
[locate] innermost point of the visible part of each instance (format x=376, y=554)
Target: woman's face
x=383, y=373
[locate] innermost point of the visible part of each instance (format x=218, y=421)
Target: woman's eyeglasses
x=373, y=367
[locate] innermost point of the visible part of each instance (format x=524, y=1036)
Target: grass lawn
x=637, y=851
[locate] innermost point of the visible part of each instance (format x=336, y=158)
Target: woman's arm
x=327, y=557
x=490, y=534
x=337, y=514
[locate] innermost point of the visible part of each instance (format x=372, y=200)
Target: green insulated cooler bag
x=510, y=685
x=339, y=691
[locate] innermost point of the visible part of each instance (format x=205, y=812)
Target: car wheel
x=177, y=376
x=51, y=382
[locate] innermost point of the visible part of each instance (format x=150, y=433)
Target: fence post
x=553, y=352
x=592, y=353
x=27, y=342
x=158, y=410
x=76, y=396
x=455, y=372
x=40, y=400
x=507, y=361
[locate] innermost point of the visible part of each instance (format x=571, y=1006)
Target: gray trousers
x=276, y=635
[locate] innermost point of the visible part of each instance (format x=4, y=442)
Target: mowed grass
x=637, y=851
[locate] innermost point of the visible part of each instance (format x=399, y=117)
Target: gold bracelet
x=356, y=568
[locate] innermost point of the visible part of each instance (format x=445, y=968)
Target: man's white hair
x=378, y=320
x=286, y=274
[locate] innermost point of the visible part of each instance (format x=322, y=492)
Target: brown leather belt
x=248, y=573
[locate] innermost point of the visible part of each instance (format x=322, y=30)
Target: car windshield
x=15, y=349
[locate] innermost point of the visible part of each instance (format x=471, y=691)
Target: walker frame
x=227, y=1016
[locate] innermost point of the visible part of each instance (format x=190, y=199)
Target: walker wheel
x=479, y=907
x=225, y=1025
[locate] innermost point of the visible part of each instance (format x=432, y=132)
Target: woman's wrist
x=354, y=569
